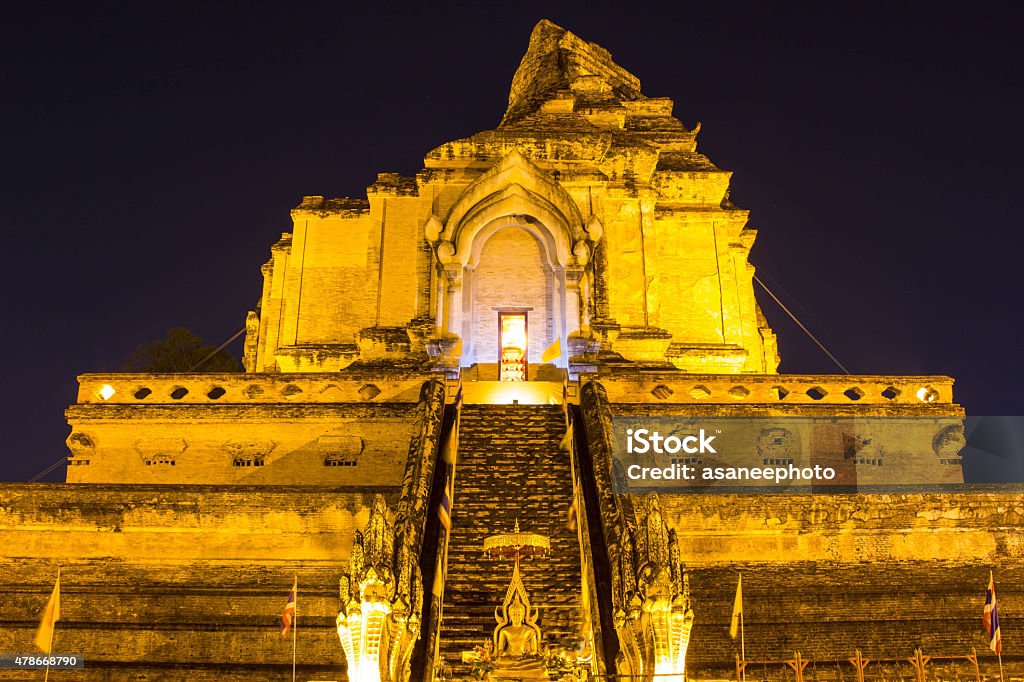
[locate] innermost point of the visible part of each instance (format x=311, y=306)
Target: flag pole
x=743, y=640
x=295, y=624
x=47, y=675
x=450, y=483
x=440, y=604
x=999, y=648
x=53, y=631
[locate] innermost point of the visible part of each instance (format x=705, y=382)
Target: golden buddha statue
x=517, y=639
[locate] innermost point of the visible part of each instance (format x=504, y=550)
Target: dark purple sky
x=151, y=156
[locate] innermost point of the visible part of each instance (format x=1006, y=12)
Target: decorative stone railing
x=779, y=389
x=670, y=388
x=163, y=389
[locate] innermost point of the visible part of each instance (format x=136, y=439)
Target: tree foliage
x=181, y=351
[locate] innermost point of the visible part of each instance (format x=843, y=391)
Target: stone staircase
x=509, y=468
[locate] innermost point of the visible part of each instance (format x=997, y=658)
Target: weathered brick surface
x=511, y=255
x=197, y=620
x=196, y=443
x=984, y=524
x=829, y=574
x=828, y=610
x=178, y=582
x=588, y=146
x=510, y=468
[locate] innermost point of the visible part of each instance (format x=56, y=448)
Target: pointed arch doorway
x=514, y=200
x=514, y=303
x=513, y=345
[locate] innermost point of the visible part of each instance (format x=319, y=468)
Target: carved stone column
x=453, y=307
x=573, y=300
x=445, y=349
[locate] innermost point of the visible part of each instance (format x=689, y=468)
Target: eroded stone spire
x=558, y=65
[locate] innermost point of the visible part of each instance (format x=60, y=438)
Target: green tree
x=181, y=351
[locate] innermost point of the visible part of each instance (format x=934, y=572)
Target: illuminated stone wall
x=249, y=429
x=827, y=575
x=648, y=256
x=169, y=582
x=511, y=274
x=590, y=204
x=895, y=451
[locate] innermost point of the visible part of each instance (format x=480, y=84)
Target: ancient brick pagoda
x=582, y=252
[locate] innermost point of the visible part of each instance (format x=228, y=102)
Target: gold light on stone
x=517, y=638
x=588, y=217
x=381, y=595
x=516, y=544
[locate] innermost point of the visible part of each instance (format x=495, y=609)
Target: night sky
x=151, y=156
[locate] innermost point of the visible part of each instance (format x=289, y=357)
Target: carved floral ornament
x=82, y=448
x=81, y=445
x=514, y=192
x=160, y=451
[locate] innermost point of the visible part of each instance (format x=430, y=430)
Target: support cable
x=63, y=460
x=221, y=347
x=801, y=325
x=782, y=290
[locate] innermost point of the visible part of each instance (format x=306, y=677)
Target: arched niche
x=514, y=186
x=514, y=194
x=512, y=272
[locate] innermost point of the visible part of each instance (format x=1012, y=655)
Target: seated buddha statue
x=517, y=647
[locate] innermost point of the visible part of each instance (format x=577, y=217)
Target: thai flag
x=565, y=445
x=444, y=511
x=289, y=611
x=990, y=618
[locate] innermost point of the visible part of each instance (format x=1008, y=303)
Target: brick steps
x=509, y=468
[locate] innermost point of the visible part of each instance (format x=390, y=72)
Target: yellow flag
x=737, y=609
x=552, y=352
x=437, y=589
x=566, y=443
x=44, y=635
